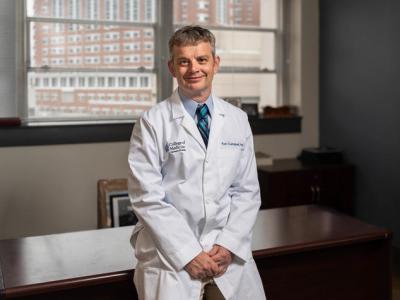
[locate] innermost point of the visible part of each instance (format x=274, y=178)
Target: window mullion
x=88, y=22
x=235, y=28
x=164, y=29
x=22, y=59
x=281, y=52
x=86, y=70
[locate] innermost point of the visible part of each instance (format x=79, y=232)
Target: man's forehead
x=201, y=47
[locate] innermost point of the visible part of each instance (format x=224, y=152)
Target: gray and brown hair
x=191, y=35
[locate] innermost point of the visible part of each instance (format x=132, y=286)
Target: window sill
x=77, y=134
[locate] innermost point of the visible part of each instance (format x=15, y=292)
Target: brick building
x=68, y=59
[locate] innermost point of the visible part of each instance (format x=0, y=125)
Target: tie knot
x=202, y=111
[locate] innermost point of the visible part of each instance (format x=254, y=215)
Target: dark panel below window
x=75, y=134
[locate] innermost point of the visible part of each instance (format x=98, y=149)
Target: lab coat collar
x=178, y=111
x=217, y=117
x=177, y=108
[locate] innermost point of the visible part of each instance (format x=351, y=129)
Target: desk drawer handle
x=312, y=194
x=318, y=192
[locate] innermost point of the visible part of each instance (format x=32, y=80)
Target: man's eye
x=183, y=63
x=202, y=60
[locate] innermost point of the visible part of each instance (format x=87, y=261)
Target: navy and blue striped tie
x=202, y=122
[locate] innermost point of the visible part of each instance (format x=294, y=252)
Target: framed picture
x=235, y=101
x=251, y=109
x=121, y=210
x=113, y=204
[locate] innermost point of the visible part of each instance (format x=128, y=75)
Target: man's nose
x=194, y=66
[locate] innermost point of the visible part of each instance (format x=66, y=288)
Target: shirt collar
x=191, y=105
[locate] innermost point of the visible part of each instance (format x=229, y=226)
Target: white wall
x=51, y=189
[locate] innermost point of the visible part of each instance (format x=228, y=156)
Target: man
x=193, y=186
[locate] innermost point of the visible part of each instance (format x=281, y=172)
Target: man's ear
x=171, y=67
x=217, y=60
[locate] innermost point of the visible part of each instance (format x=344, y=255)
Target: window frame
x=26, y=65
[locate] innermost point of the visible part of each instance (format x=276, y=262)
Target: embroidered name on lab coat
x=175, y=147
x=237, y=145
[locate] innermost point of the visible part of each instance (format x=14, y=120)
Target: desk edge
x=60, y=285
x=264, y=253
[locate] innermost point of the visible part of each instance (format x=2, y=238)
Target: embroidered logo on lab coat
x=175, y=147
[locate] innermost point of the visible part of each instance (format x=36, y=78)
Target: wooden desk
x=302, y=252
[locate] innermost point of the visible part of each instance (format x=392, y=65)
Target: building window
x=149, y=11
x=202, y=18
x=144, y=82
x=82, y=81
x=121, y=81
x=101, y=81
x=89, y=9
x=57, y=8
x=131, y=10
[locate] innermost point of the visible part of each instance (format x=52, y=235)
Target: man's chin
x=196, y=93
x=195, y=89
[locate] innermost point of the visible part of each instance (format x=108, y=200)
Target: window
x=88, y=47
x=101, y=82
x=121, y=81
x=131, y=10
x=91, y=9
x=248, y=42
x=81, y=39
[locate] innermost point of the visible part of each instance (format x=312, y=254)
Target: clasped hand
x=210, y=264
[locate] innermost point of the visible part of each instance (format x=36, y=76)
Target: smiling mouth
x=194, y=78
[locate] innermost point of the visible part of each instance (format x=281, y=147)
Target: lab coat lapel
x=217, y=123
x=178, y=111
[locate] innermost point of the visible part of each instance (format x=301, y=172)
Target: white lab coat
x=189, y=197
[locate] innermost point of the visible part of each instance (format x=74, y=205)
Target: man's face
x=194, y=67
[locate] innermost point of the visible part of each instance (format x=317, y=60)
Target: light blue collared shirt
x=191, y=106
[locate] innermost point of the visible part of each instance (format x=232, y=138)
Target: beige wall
x=48, y=189
x=51, y=189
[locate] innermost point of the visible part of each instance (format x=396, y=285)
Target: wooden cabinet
x=289, y=182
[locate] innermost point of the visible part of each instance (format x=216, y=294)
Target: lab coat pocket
x=230, y=153
x=232, y=149
x=159, y=284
